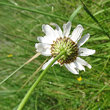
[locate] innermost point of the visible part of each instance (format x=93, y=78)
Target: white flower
x=55, y=41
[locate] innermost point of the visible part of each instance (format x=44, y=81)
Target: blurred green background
x=21, y=23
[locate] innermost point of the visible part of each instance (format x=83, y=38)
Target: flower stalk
x=38, y=80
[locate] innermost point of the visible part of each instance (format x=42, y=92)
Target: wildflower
x=79, y=79
x=50, y=82
x=55, y=41
x=10, y=55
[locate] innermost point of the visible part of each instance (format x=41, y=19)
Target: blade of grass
x=33, y=75
x=35, y=56
x=101, y=11
x=103, y=86
x=13, y=41
x=18, y=37
x=91, y=15
x=31, y=10
x=51, y=15
x=75, y=13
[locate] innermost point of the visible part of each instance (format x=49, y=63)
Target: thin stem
x=35, y=56
x=12, y=74
x=38, y=80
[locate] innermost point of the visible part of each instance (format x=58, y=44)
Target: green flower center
x=64, y=44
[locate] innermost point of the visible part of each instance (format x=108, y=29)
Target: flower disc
x=64, y=44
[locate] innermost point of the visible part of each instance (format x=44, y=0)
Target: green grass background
x=20, y=25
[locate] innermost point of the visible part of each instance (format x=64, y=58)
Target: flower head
x=79, y=79
x=55, y=41
x=10, y=55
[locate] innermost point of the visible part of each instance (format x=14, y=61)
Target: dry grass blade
x=35, y=56
x=32, y=75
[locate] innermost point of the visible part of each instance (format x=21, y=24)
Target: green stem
x=38, y=80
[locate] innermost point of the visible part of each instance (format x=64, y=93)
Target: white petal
x=85, y=52
x=46, y=52
x=49, y=31
x=46, y=64
x=67, y=28
x=78, y=65
x=83, y=62
x=55, y=63
x=77, y=70
x=83, y=39
x=58, y=30
x=44, y=49
x=44, y=40
x=71, y=68
x=77, y=32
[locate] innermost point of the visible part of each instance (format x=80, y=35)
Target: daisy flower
x=55, y=41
